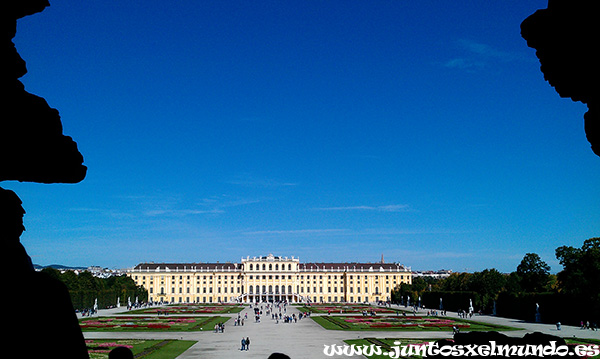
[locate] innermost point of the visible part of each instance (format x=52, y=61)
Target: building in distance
x=438, y=274
x=270, y=279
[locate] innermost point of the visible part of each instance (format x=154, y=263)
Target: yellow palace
x=269, y=279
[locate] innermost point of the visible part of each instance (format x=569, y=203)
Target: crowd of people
x=88, y=312
x=464, y=314
x=277, y=311
x=435, y=313
x=220, y=328
x=587, y=325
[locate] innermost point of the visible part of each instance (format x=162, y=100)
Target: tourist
x=247, y=343
x=243, y=344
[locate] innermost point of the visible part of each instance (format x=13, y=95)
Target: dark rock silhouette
x=120, y=353
x=37, y=309
x=278, y=356
x=565, y=36
x=32, y=144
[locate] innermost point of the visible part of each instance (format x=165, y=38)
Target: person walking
x=243, y=344
x=247, y=343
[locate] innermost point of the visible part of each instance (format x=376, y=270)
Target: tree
x=414, y=290
x=456, y=282
x=513, y=283
x=534, y=273
x=580, y=269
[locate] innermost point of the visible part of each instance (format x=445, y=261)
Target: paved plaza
x=304, y=339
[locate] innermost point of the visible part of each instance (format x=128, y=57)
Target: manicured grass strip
x=141, y=348
x=328, y=323
x=404, y=323
x=170, y=350
x=136, y=323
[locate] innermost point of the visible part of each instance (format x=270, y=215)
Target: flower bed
x=403, y=322
x=100, y=349
x=349, y=308
x=191, y=309
x=149, y=323
x=407, y=323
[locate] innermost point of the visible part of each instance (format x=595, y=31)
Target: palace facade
x=269, y=279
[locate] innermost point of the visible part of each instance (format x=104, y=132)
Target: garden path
x=305, y=339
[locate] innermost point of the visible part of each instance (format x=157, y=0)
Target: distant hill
x=57, y=266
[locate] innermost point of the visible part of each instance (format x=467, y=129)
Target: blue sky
x=327, y=130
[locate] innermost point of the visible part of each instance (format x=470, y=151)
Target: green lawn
x=402, y=323
x=149, y=349
x=153, y=323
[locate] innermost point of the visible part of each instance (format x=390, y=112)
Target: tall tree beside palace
x=533, y=272
x=581, y=267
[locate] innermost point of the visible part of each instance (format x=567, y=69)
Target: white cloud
x=298, y=231
x=464, y=64
x=477, y=55
x=250, y=181
x=180, y=212
x=384, y=208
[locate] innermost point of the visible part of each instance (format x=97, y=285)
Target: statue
x=471, y=310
